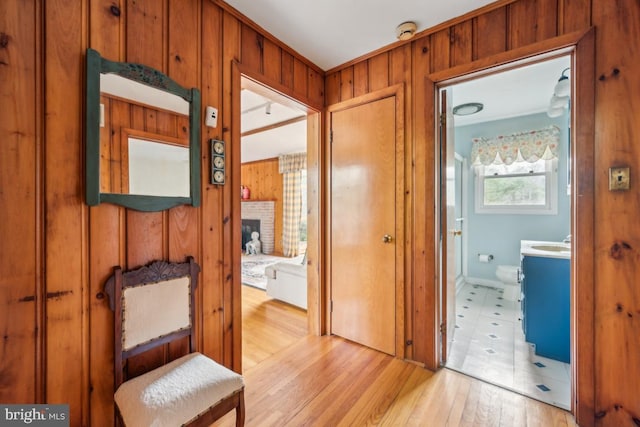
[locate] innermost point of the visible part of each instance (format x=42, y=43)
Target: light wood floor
x=328, y=381
x=268, y=326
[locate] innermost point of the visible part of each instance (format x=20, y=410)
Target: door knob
x=387, y=238
x=456, y=232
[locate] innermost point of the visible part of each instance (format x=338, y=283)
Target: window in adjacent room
x=303, y=213
x=517, y=173
x=518, y=188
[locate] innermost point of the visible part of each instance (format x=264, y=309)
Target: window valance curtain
x=290, y=166
x=529, y=146
x=292, y=162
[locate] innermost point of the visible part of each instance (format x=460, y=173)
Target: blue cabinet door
x=547, y=306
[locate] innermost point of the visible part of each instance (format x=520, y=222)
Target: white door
x=448, y=230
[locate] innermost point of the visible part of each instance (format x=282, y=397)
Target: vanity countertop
x=545, y=249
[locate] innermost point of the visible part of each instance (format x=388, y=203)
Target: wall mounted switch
x=211, y=117
x=619, y=178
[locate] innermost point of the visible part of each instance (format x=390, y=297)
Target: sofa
x=287, y=281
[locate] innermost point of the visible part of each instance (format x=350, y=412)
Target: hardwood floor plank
x=457, y=407
x=376, y=400
x=401, y=411
x=305, y=384
x=436, y=400
x=334, y=401
x=268, y=326
x=512, y=409
x=471, y=404
x=295, y=379
x=489, y=406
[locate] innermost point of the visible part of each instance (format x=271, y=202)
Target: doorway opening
x=505, y=323
x=273, y=188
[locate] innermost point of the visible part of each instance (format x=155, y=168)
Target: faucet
x=567, y=239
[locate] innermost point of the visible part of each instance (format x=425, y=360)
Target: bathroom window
x=518, y=188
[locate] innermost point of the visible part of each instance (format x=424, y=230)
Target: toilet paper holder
x=485, y=257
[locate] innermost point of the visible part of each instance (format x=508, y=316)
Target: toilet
x=508, y=275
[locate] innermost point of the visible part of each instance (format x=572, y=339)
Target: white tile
x=491, y=347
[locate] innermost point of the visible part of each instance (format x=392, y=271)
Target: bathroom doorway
x=511, y=194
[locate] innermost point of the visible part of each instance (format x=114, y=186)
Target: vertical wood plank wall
x=265, y=183
x=21, y=197
x=504, y=26
x=56, y=251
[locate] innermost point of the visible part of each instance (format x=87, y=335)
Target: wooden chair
x=153, y=306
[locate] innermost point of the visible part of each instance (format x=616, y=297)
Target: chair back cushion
x=155, y=309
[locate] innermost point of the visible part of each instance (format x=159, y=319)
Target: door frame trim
x=315, y=193
x=581, y=46
x=400, y=208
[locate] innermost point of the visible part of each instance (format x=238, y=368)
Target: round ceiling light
x=406, y=30
x=467, y=109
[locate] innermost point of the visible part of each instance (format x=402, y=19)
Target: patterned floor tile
x=489, y=345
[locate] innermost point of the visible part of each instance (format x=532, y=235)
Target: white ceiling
x=271, y=143
x=517, y=92
x=332, y=32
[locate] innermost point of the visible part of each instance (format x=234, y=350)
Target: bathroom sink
x=551, y=248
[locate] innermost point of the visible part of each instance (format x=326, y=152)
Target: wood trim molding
x=542, y=50
x=581, y=46
x=274, y=126
x=583, y=230
x=372, y=96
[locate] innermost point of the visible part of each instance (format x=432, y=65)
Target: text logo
x=34, y=415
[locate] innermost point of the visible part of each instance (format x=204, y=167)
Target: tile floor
x=489, y=344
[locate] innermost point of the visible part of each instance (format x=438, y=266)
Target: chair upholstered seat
x=177, y=392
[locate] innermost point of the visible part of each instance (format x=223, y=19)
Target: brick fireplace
x=264, y=211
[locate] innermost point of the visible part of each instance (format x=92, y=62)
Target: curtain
x=290, y=166
x=529, y=146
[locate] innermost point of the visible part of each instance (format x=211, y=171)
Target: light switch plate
x=619, y=178
x=211, y=117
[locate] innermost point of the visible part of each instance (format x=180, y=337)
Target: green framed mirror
x=142, y=136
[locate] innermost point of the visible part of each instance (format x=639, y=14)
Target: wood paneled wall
x=56, y=251
x=21, y=203
x=499, y=28
x=265, y=183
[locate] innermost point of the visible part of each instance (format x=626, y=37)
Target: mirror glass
x=142, y=137
x=157, y=169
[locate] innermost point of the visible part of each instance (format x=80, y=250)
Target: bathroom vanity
x=545, y=304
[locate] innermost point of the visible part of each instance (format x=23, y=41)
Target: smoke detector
x=406, y=30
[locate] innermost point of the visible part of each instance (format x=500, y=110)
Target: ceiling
x=262, y=131
x=332, y=32
x=512, y=93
